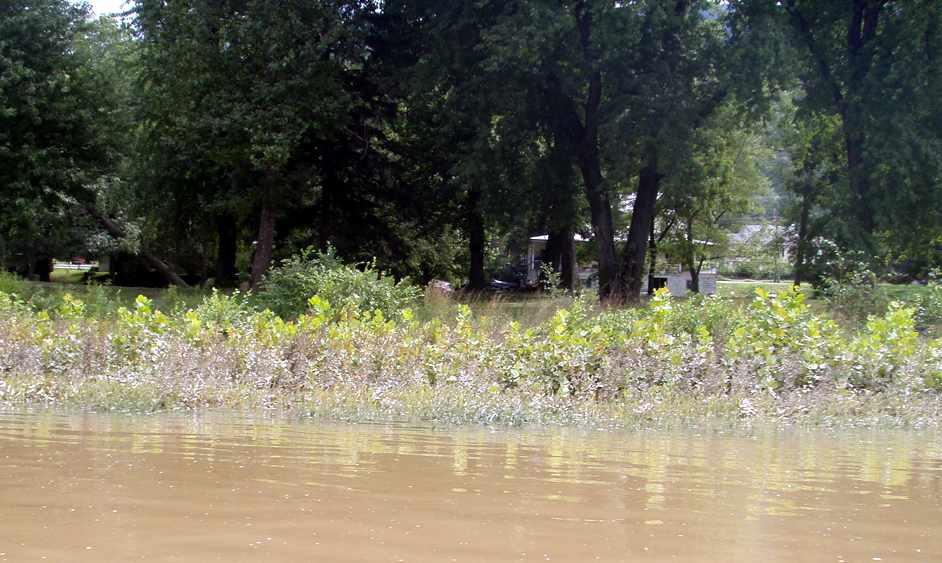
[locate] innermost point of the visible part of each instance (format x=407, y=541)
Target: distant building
x=761, y=235
x=678, y=282
x=537, y=246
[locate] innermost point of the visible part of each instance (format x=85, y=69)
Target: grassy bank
x=670, y=363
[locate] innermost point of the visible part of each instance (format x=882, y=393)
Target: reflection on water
x=212, y=487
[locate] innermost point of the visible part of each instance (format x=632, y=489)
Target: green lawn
x=71, y=276
x=746, y=289
x=742, y=289
x=904, y=292
x=103, y=296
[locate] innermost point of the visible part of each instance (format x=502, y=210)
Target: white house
x=535, y=248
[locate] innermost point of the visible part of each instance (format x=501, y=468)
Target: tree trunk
x=567, y=262
x=30, y=261
x=861, y=31
x=561, y=253
x=226, y=250
x=325, y=213
x=476, y=236
x=845, y=95
x=690, y=259
x=43, y=268
x=858, y=179
x=264, y=245
x=590, y=163
x=163, y=269
x=117, y=232
x=694, y=279
x=652, y=266
x=802, y=243
x=642, y=218
x=603, y=227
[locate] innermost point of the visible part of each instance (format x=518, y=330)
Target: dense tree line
x=204, y=139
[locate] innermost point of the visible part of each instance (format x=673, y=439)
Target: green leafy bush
x=851, y=289
x=288, y=287
x=11, y=284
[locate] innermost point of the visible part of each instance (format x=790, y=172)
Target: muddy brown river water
x=213, y=487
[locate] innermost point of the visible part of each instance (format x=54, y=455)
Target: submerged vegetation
x=672, y=362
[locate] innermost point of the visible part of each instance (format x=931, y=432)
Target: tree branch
x=118, y=232
x=824, y=69
x=667, y=230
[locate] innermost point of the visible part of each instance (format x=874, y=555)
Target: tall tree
x=814, y=146
x=720, y=180
x=248, y=84
x=867, y=61
x=60, y=131
x=692, y=58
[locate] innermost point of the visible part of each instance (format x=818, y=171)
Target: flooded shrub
x=11, y=303
x=881, y=351
x=933, y=375
x=775, y=355
x=287, y=287
x=220, y=311
x=102, y=301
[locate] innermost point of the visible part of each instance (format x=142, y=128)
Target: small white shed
x=678, y=283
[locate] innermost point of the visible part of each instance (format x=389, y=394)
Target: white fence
x=71, y=266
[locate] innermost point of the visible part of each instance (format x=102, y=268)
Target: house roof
x=765, y=233
x=577, y=237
